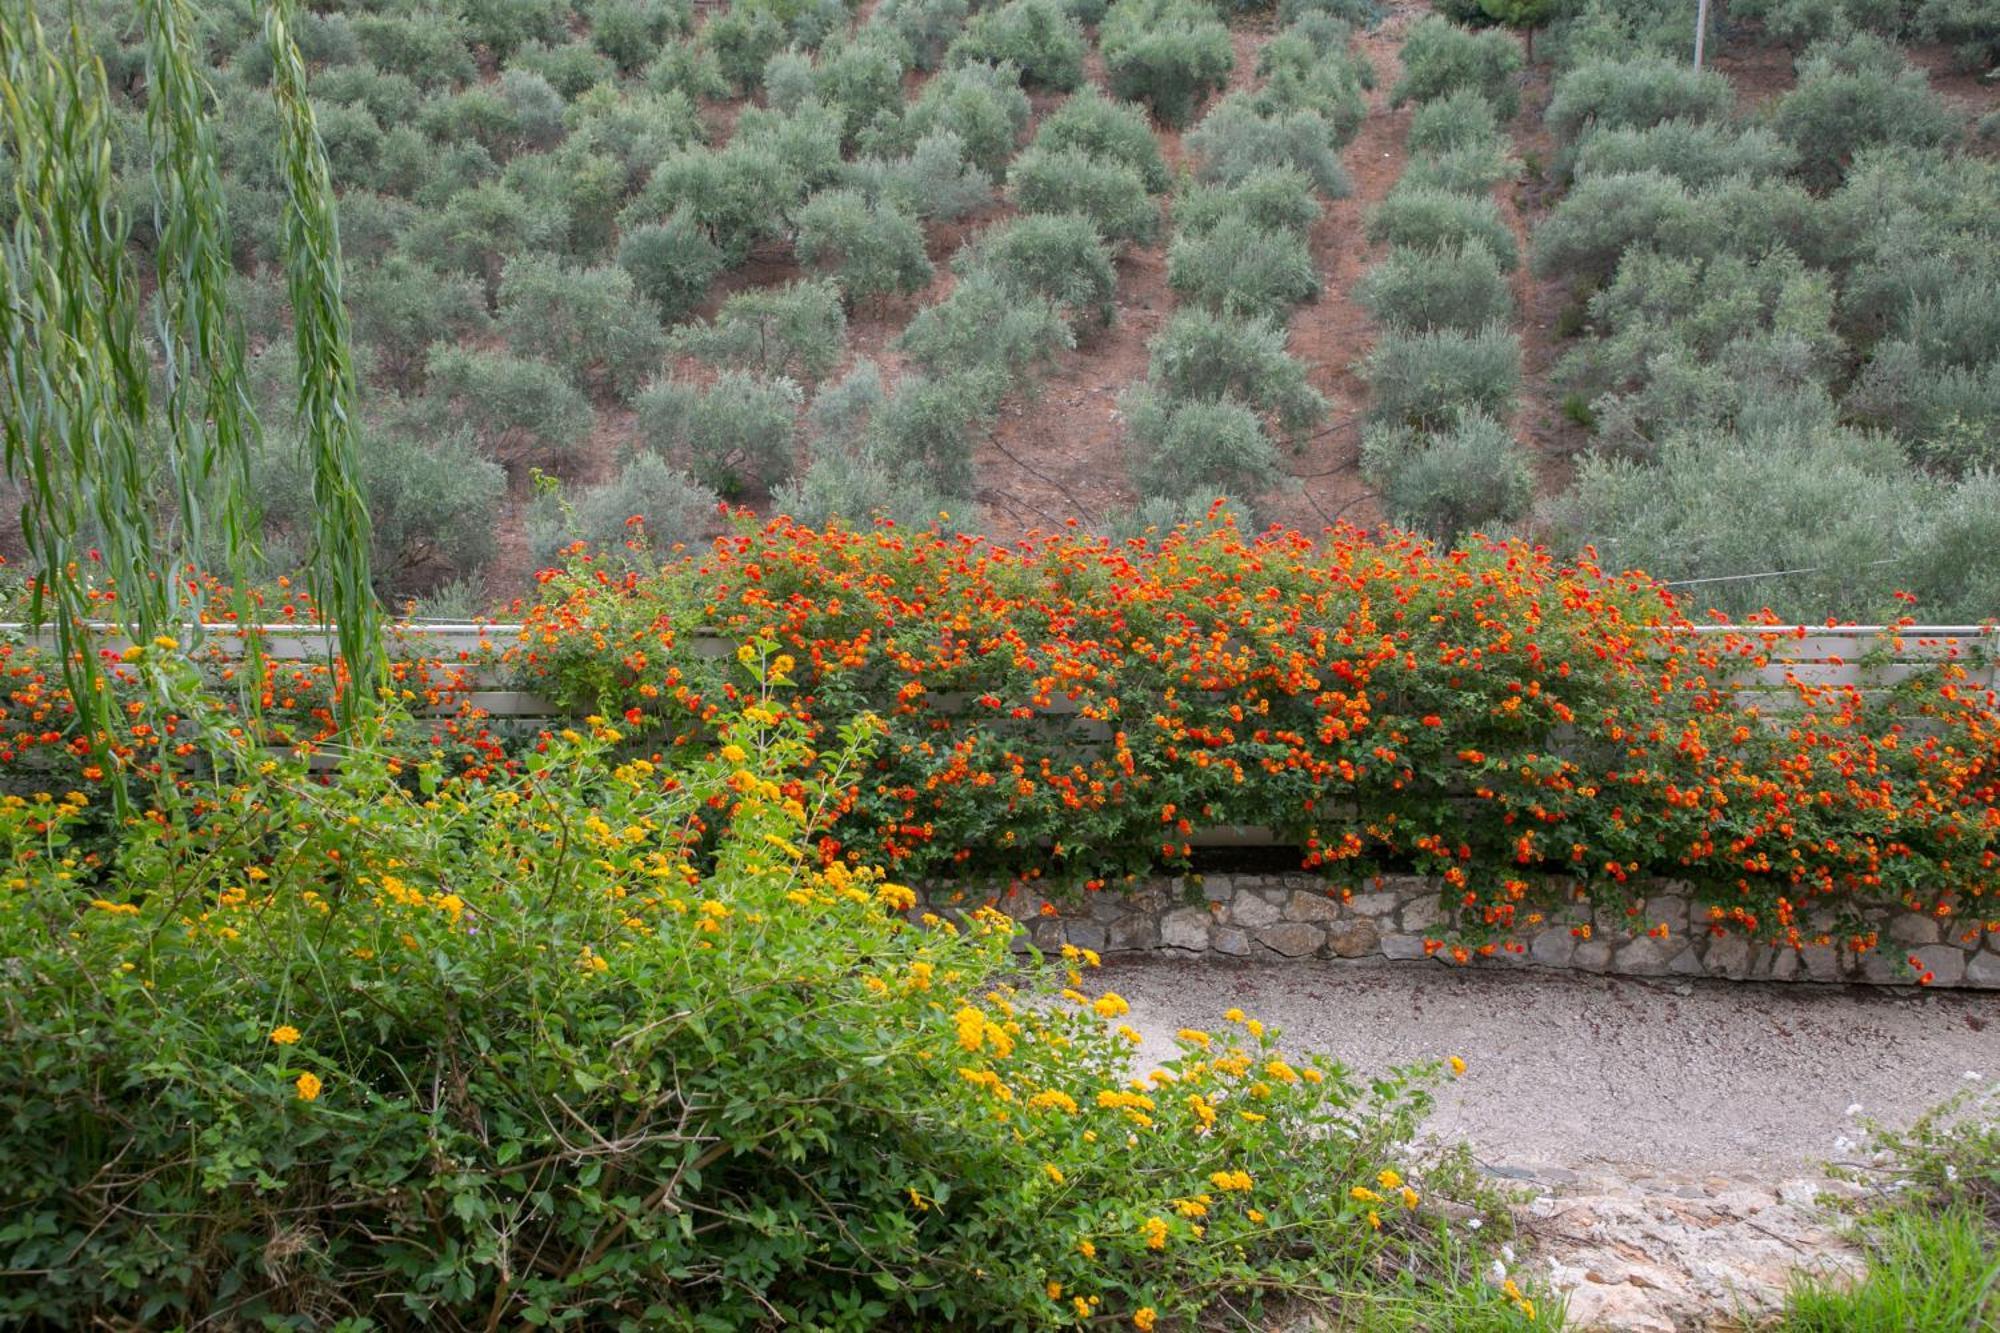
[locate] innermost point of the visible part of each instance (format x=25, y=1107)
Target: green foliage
x=430, y=503
x=479, y=230
x=1233, y=143
x=521, y=410
x=1277, y=200
x=1468, y=477
x=1169, y=54
x=503, y=27
x=925, y=26
x=1469, y=171
x=1036, y=37
x=289, y=1062
x=1457, y=288
x=1427, y=380
x=1589, y=231
x=1926, y=1269
x=572, y=67
x=1094, y=125
x=854, y=491
x=1696, y=154
x=981, y=104
x=1109, y=193
x=736, y=196
x=805, y=139
x=1250, y=272
x=631, y=31
x=1357, y=13
x=1427, y=218
x=686, y=66
x=1948, y=415
x=672, y=264
x=1838, y=504
x=870, y=249
x=735, y=434
x=637, y=128
x=743, y=39
x=987, y=335
x=426, y=46
x=1200, y=355
x=1634, y=94
x=400, y=308
x=672, y=511
x=1057, y=258
x=934, y=181
x=591, y=322
x=922, y=433
x=862, y=81
x=1195, y=451
x=797, y=330
x=1970, y=27
x=1846, y=101
x=1299, y=74
x=1441, y=58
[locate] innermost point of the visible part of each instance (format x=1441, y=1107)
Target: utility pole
x=1700, y=31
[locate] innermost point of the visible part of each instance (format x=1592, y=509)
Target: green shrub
x=861, y=81
x=855, y=491
x=1634, y=94
x=671, y=510
x=520, y=410
x=1200, y=355
x=981, y=104
x=986, y=333
x=1298, y=75
x=1169, y=54
x=1837, y=505
x=1247, y=271
x=591, y=322
x=428, y=47
x=1427, y=379
x=479, y=230
x=925, y=26
x=579, y=190
x=1970, y=27
x=1587, y=233
x=373, y=226
x=1110, y=194
x=1441, y=58
x=841, y=412
x=922, y=433
x=1196, y=451
x=504, y=26
x=1356, y=13
x=1949, y=416
x=1418, y=290
x=1463, y=119
x=1798, y=22
x=392, y=99
x=672, y=264
x=639, y=129
x=1426, y=218
x=743, y=39
x=1233, y=143
x=1843, y=105
x=806, y=139
x=797, y=330
x=934, y=181
x=571, y=67
x=870, y=249
x=1035, y=37
x=734, y=435
x=1058, y=258
x=475, y=115
x=685, y=66
x=353, y=142
x=1467, y=478
x=736, y=196
x=1094, y=125
x=631, y=31
x=1468, y=171
x=1278, y=200
x=1694, y=154
x=400, y=308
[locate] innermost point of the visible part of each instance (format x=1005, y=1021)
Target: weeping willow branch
x=339, y=563
x=75, y=369
x=212, y=426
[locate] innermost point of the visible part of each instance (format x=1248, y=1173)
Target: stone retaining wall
x=1293, y=916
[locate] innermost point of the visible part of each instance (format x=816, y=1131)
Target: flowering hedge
x=1527, y=730
x=588, y=1042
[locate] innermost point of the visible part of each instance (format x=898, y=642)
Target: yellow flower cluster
x=1231, y=1180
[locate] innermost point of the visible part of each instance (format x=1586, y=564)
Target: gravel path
x=1572, y=1071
